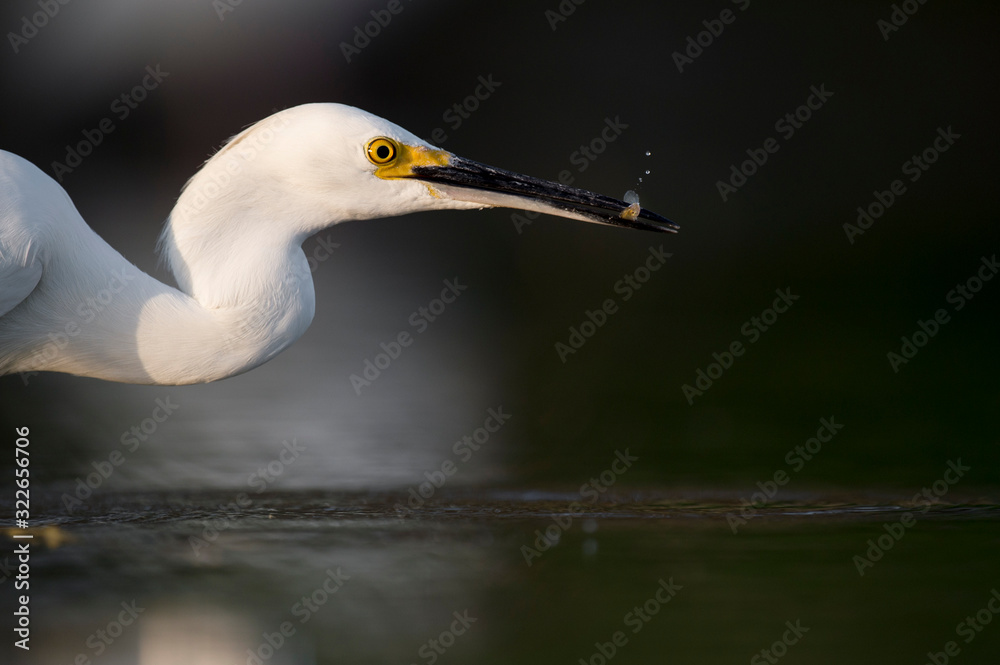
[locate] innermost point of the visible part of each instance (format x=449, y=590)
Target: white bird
x=70, y=303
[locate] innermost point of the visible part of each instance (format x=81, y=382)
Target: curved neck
x=107, y=319
x=269, y=305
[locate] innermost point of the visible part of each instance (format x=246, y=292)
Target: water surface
x=214, y=581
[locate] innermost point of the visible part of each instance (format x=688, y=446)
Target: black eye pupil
x=382, y=151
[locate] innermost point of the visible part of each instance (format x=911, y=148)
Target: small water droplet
x=647, y=171
x=640, y=179
x=648, y=153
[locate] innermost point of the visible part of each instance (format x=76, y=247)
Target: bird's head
x=319, y=164
x=308, y=167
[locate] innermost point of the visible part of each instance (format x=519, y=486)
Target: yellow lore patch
x=406, y=157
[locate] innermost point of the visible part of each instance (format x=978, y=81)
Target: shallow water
x=213, y=581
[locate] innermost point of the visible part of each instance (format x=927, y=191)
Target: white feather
x=70, y=303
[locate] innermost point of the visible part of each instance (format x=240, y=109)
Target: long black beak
x=471, y=181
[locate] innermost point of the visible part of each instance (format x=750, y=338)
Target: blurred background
x=559, y=73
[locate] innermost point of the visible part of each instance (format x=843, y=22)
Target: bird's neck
x=238, y=306
x=244, y=299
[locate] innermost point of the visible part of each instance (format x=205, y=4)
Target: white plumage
x=70, y=303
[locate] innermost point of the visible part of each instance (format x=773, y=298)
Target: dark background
x=826, y=357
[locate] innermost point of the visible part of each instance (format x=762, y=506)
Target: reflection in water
x=197, y=635
x=300, y=578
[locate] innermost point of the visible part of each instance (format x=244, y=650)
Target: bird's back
x=28, y=199
x=48, y=255
x=69, y=302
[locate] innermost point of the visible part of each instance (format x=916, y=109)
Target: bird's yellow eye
x=381, y=151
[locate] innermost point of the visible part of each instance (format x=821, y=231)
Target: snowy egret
x=70, y=303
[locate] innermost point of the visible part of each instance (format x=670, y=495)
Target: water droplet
x=631, y=196
x=648, y=153
x=647, y=171
x=640, y=179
